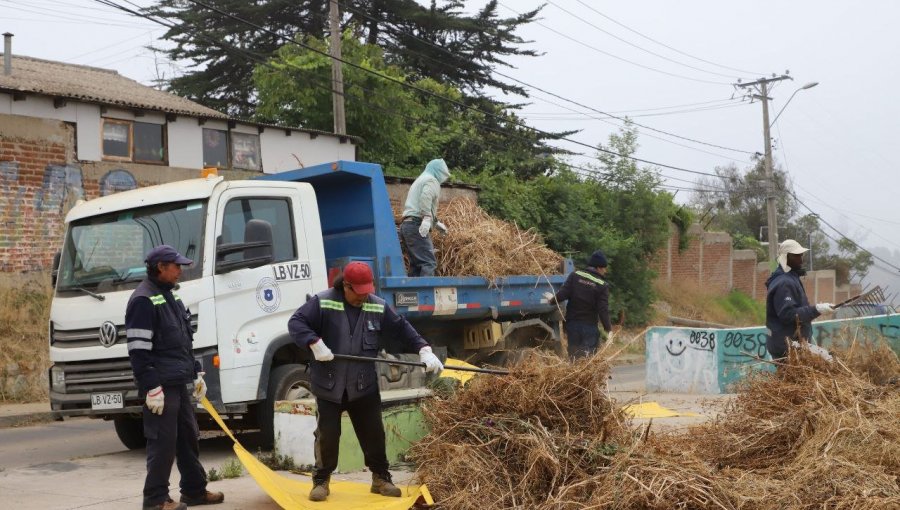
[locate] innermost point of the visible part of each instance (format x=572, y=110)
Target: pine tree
x=439, y=42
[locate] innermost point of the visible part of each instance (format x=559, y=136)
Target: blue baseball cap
x=165, y=253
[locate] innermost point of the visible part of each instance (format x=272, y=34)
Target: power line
x=614, y=36
x=587, y=116
x=666, y=45
x=429, y=93
x=714, y=102
x=611, y=55
x=535, y=87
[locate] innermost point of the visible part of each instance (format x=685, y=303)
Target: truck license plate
x=101, y=401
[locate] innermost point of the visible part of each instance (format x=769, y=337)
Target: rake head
x=863, y=303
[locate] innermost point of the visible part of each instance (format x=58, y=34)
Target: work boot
x=209, y=498
x=166, y=505
x=383, y=485
x=319, y=491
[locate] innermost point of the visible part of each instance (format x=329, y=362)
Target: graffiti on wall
x=682, y=360
x=115, y=181
x=12, y=196
x=61, y=188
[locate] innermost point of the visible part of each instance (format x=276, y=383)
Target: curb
x=19, y=420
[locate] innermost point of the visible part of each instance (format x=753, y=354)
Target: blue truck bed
x=358, y=224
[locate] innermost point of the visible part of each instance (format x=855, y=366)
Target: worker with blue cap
x=587, y=293
x=420, y=214
x=160, y=347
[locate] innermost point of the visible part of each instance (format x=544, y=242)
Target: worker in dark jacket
x=588, y=295
x=160, y=346
x=350, y=319
x=788, y=312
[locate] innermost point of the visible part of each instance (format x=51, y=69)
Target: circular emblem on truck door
x=109, y=334
x=268, y=295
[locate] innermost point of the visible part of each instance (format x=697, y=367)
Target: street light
x=807, y=86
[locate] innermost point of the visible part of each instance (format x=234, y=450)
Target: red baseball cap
x=359, y=276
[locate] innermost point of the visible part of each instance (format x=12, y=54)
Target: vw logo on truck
x=109, y=333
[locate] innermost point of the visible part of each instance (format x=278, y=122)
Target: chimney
x=7, y=53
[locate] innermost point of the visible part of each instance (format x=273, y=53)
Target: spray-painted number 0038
x=292, y=271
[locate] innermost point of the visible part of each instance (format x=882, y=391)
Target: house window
x=117, y=139
x=215, y=148
x=149, y=143
x=245, y=151
x=141, y=142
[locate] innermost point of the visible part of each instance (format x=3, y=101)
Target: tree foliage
x=402, y=127
x=411, y=35
x=737, y=204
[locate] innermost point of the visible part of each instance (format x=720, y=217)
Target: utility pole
x=337, y=72
x=761, y=86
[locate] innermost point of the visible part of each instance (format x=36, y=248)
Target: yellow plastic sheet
x=293, y=494
x=653, y=410
x=462, y=377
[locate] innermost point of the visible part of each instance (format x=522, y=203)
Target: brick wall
x=743, y=270
x=716, y=261
x=685, y=265
x=41, y=179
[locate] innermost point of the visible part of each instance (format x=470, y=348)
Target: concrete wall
x=689, y=360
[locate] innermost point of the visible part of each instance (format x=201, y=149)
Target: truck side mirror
x=256, y=248
x=54, y=270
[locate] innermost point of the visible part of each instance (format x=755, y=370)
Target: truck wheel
x=130, y=431
x=287, y=382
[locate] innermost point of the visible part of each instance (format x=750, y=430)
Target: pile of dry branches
x=478, y=244
x=811, y=435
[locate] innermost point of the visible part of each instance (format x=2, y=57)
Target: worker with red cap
x=350, y=319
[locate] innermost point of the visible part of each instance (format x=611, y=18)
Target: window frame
x=165, y=145
x=231, y=148
x=126, y=122
x=227, y=132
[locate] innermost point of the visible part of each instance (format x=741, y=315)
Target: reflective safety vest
x=329, y=380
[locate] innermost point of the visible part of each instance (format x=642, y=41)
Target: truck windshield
x=105, y=252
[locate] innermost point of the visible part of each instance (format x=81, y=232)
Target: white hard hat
x=786, y=247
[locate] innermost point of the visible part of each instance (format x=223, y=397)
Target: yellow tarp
x=462, y=377
x=293, y=494
x=653, y=410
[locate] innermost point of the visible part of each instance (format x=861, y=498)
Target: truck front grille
x=98, y=376
x=90, y=337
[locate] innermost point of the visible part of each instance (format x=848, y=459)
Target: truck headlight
x=57, y=380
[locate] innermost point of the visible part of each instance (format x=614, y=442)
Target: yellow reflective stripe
x=373, y=307
x=331, y=305
x=177, y=297
x=590, y=277
x=158, y=299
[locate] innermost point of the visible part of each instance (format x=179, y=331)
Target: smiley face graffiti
x=676, y=346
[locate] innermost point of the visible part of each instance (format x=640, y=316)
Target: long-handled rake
x=873, y=296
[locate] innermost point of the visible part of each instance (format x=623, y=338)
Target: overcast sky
x=835, y=140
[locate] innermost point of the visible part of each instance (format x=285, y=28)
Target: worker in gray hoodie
x=420, y=214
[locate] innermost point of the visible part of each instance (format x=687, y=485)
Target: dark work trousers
x=365, y=414
x=420, y=249
x=173, y=436
x=583, y=337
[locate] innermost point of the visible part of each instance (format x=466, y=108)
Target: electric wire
x=666, y=45
x=111, y=3
x=614, y=56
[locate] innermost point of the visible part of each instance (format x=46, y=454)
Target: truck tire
x=286, y=382
x=130, y=430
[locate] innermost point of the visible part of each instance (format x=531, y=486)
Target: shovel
x=367, y=359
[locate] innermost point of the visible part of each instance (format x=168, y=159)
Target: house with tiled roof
x=70, y=132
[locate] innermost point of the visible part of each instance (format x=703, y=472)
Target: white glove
x=548, y=296
x=199, y=386
x=432, y=363
x=440, y=226
x=425, y=226
x=156, y=400
x=321, y=351
x=824, y=307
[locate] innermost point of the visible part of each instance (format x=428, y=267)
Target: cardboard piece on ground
x=293, y=494
x=653, y=410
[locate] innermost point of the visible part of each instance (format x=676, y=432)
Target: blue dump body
x=358, y=224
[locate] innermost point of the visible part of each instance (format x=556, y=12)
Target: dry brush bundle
x=826, y=436
x=478, y=244
x=519, y=441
